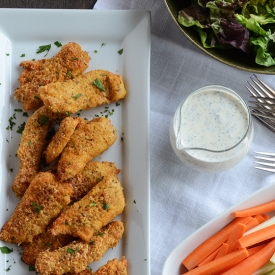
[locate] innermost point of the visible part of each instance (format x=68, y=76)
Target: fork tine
x=265, y=85
x=265, y=169
x=265, y=163
x=267, y=122
x=262, y=115
x=264, y=153
x=263, y=158
x=271, y=105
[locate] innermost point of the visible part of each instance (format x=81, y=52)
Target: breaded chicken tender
x=61, y=138
x=113, y=267
x=84, y=92
x=81, y=184
x=42, y=242
x=68, y=63
x=32, y=145
x=42, y=202
x=85, y=217
x=77, y=255
x=89, y=140
x=93, y=172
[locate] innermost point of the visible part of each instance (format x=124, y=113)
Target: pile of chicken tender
x=66, y=217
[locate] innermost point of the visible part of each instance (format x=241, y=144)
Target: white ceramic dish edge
x=173, y=266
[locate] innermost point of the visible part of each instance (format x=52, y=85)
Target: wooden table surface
x=48, y=4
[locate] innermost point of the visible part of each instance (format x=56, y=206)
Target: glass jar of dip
x=211, y=130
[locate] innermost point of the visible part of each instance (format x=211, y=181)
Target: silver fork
x=269, y=164
x=264, y=102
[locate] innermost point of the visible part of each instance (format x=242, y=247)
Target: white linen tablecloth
x=182, y=200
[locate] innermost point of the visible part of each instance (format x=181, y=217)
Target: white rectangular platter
x=173, y=266
x=102, y=34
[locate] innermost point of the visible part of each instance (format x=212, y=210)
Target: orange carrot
x=222, y=250
x=221, y=264
x=257, y=236
x=265, y=216
x=252, y=224
x=236, y=234
x=210, y=258
x=258, y=209
x=254, y=262
x=260, y=218
x=255, y=249
x=211, y=244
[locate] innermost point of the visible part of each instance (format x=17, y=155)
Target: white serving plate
x=173, y=266
x=22, y=32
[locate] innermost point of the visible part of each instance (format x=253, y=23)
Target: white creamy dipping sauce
x=212, y=118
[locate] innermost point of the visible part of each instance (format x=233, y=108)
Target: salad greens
x=242, y=24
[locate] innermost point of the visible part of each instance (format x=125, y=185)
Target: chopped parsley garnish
x=21, y=128
x=11, y=170
x=92, y=204
x=47, y=244
x=66, y=223
x=67, y=113
x=7, y=54
x=11, y=122
x=103, y=44
x=22, y=55
x=99, y=85
x=95, y=51
x=44, y=48
x=117, y=103
x=43, y=120
x=134, y=201
x=37, y=207
x=72, y=251
x=91, y=242
x=31, y=268
x=75, y=58
x=69, y=73
x=8, y=269
x=99, y=179
x=6, y=250
x=100, y=233
x=105, y=206
x=57, y=44
x=76, y=96
x=37, y=97
x=18, y=110
x=120, y=51
x=25, y=114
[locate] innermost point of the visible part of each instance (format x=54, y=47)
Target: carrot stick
x=254, y=262
x=254, y=222
x=210, y=258
x=236, y=234
x=221, y=264
x=260, y=218
x=255, y=249
x=257, y=236
x=211, y=244
x=258, y=209
x=265, y=216
x=222, y=250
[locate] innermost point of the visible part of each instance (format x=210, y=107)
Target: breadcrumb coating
x=85, y=217
x=89, y=140
x=32, y=145
x=42, y=242
x=61, y=138
x=84, y=92
x=93, y=172
x=112, y=267
x=68, y=63
x=76, y=256
x=42, y=202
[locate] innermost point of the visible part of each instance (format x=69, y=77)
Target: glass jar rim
x=221, y=89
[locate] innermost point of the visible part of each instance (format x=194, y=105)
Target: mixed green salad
x=242, y=24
